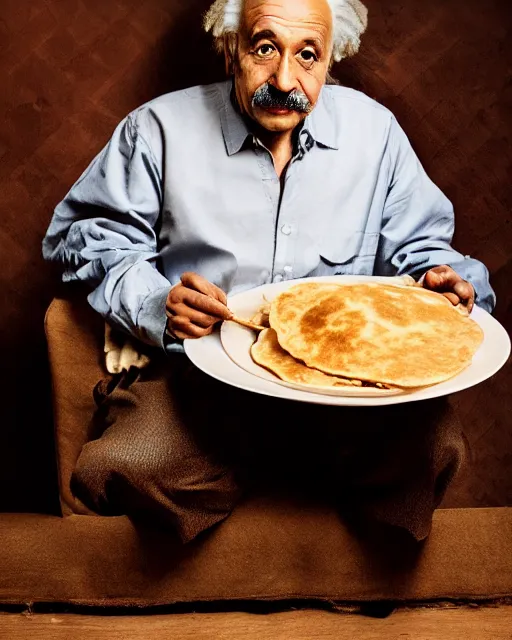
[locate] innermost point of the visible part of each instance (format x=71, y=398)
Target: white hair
x=350, y=19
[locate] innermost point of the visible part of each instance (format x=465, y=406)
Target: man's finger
x=466, y=293
x=452, y=297
x=441, y=279
x=445, y=280
x=180, y=335
x=206, y=304
x=182, y=328
x=197, y=317
x=197, y=282
x=464, y=290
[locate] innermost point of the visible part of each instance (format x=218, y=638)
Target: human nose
x=284, y=76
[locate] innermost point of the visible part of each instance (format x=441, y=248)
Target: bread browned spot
x=267, y=353
x=397, y=335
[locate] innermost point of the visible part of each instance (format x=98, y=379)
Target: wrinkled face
x=283, y=53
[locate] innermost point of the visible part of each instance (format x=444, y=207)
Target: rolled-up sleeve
x=418, y=224
x=103, y=233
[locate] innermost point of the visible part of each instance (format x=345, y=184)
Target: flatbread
x=262, y=316
x=398, y=335
x=267, y=352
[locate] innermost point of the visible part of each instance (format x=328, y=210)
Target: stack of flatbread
x=365, y=334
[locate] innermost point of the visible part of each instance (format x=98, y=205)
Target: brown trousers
x=175, y=444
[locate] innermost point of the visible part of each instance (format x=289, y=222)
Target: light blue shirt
x=183, y=185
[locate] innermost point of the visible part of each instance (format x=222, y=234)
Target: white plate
x=239, y=370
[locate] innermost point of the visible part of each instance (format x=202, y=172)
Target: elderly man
x=269, y=176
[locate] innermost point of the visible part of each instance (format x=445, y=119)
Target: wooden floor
x=483, y=623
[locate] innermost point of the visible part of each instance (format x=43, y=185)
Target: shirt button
x=278, y=277
x=286, y=229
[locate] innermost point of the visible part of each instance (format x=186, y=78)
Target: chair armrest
x=74, y=334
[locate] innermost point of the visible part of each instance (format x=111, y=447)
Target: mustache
x=268, y=97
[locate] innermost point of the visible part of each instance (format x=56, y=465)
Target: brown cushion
x=268, y=549
x=74, y=334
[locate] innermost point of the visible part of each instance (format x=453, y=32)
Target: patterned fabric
x=174, y=444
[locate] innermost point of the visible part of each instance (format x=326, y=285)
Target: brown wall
x=71, y=69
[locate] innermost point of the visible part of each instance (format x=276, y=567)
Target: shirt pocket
x=349, y=252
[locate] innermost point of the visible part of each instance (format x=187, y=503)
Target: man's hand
x=444, y=280
x=194, y=306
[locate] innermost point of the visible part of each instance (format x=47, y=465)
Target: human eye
x=308, y=55
x=265, y=50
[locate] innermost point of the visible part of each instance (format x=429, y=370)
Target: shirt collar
x=320, y=123
x=234, y=127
